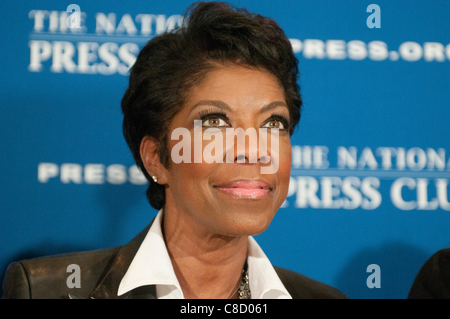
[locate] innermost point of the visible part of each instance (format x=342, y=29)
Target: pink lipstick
x=245, y=188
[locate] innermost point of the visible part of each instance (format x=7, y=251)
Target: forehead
x=238, y=86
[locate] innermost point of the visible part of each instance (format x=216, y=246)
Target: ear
x=149, y=151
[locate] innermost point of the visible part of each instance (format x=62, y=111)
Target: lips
x=245, y=188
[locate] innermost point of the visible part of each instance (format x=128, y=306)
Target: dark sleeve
x=302, y=287
x=433, y=279
x=15, y=284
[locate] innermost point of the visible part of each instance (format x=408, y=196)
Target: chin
x=249, y=224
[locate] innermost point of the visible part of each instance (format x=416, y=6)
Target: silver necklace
x=243, y=289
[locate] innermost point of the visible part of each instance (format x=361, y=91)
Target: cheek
x=189, y=173
x=187, y=176
x=286, y=157
x=186, y=160
x=284, y=170
x=189, y=185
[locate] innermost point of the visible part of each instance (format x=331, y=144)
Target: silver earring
x=155, y=179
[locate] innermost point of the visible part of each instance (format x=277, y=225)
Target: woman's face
x=228, y=197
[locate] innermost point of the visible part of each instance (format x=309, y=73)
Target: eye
x=277, y=121
x=212, y=118
x=214, y=122
x=274, y=124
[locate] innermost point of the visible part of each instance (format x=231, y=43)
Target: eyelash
x=282, y=119
x=209, y=114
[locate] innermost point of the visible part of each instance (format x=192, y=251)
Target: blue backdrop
x=371, y=158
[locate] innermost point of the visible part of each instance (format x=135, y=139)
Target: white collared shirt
x=145, y=269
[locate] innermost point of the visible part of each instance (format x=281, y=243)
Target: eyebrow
x=225, y=106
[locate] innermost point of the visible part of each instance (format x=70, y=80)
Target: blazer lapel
x=109, y=284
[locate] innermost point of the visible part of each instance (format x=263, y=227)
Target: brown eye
x=214, y=122
x=274, y=124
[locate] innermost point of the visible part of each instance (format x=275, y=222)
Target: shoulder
x=302, y=287
x=433, y=279
x=47, y=277
x=54, y=277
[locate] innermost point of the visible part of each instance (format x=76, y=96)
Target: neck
x=206, y=265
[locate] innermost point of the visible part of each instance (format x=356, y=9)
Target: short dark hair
x=172, y=63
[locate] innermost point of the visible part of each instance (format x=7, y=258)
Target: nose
x=249, y=146
x=244, y=158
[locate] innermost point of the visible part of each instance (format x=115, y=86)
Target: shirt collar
x=152, y=266
x=264, y=281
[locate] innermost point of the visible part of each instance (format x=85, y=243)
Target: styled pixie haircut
x=172, y=63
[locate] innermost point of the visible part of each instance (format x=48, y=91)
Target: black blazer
x=102, y=270
x=433, y=279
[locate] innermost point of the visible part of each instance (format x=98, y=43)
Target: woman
x=224, y=70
